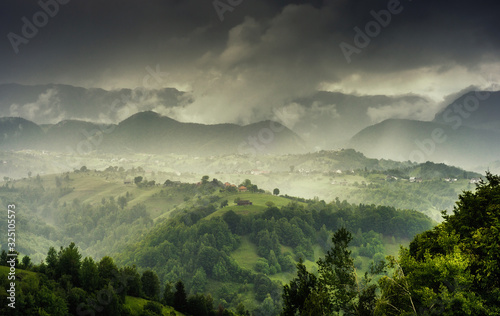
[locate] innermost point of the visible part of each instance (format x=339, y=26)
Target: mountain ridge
x=151, y=132
x=428, y=141
x=478, y=109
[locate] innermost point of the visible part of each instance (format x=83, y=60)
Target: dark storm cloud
x=262, y=56
x=86, y=37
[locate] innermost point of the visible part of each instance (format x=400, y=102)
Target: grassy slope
x=136, y=304
x=91, y=187
x=258, y=200
x=19, y=272
x=246, y=254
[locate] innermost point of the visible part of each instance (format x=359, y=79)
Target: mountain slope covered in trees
x=449, y=270
x=198, y=233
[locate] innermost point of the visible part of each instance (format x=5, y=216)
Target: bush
x=378, y=257
x=262, y=266
x=153, y=307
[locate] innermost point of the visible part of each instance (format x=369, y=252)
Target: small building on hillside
x=242, y=189
x=243, y=202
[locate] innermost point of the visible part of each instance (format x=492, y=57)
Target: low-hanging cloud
x=403, y=110
x=61, y=102
x=47, y=108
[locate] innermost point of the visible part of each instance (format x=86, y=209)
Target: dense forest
x=449, y=270
x=64, y=284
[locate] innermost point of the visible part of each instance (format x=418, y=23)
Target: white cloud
x=289, y=114
x=47, y=108
x=402, y=110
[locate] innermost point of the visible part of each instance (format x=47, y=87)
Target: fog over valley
x=237, y=158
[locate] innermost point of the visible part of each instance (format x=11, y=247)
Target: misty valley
x=249, y=158
x=208, y=234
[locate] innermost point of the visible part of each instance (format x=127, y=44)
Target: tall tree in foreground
x=69, y=263
x=89, y=275
x=298, y=292
x=180, y=297
x=150, y=285
x=336, y=290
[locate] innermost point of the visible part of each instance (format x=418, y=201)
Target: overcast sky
x=246, y=58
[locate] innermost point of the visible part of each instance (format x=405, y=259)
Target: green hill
x=260, y=202
x=241, y=254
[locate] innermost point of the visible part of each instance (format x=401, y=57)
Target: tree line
x=66, y=284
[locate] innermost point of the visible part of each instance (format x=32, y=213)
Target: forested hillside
x=197, y=233
x=208, y=254
x=229, y=255
x=449, y=270
x=65, y=284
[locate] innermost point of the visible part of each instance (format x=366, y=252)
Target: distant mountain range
x=329, y=119
x=466, y=133
x=149, y=132
x=325, y=119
